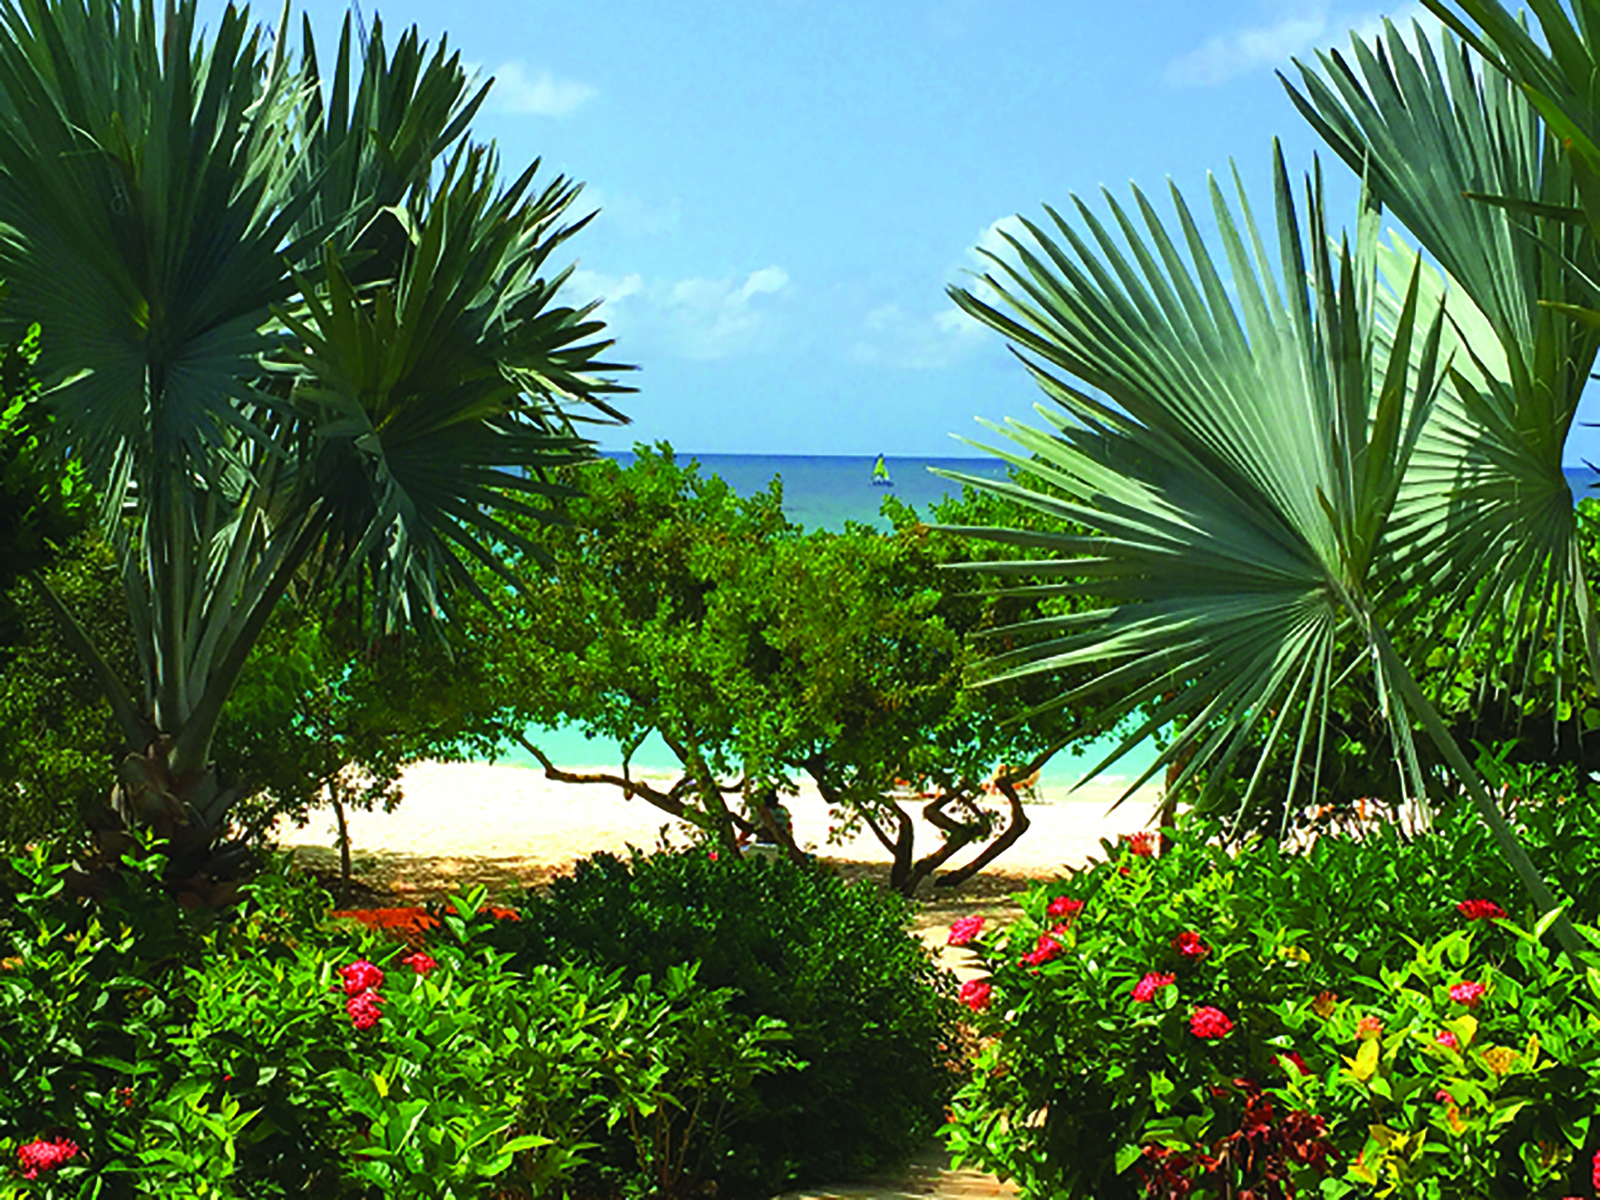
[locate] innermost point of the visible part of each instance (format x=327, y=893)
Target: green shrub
x=1196, y=1028
x=280, y=1054
x=867, y=1011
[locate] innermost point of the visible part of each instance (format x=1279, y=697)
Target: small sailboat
x=880, y=474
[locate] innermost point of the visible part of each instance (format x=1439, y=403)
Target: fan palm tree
x=293, y=328
x=1485, y=501
x=1240, y=479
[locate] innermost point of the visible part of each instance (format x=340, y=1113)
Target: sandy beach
x=516, y=815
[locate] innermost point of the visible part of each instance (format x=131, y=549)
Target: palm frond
x=1238, y=474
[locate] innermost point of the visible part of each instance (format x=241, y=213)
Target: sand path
x=510, y=828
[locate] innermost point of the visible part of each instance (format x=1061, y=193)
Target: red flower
x=361, y=976
x=1447, y=1039
x=1292, y=1057
x=1208, y=1022
x=44, y=1156
x=964, y=930
x=1064, y=906
x=1594, y=1171
x=712, y=855
x=1043, y=951
x=1141, y=844
x=363, y=1009
x=1369, y=1027
x=1189, y=945
x=975, y=994
x=420, y=961
x=1468, y=993
x=1480, y=910
x=1145, y=990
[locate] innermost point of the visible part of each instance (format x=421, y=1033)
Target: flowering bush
x=1217, y=1024
x=279, y=1054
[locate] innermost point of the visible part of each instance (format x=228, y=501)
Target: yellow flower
x=1499, y=1059
x=1324, y=1004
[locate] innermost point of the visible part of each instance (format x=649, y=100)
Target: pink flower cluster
x=1467, y=992
x=1043, y=951
x=964, y=931
x=420, y=961
x=42, y=1155
x=1145, y=990
x=1447, y=1039
x=1480, y=910
x=362, y=980
x=1064, y=906
x=1209, y=1022
x=1189, y=945
x=976, y=993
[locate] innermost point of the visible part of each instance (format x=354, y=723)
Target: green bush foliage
x=1211, y=1022
x=147, y=1052
x=868, y=1013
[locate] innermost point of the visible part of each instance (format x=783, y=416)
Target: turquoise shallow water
x=824, y=492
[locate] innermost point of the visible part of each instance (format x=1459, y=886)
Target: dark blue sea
x=823, y=492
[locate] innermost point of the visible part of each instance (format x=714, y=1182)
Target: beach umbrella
x=1232, y=449
x=290, y=322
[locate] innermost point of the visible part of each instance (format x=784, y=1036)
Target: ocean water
x=823, y=492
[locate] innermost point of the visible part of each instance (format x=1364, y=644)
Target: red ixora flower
x=1594, y=1171
x=1064, y=906
x=34, y=1157
x=361, y=976
x=1043, y=951
x=1447, y=1039
x=976, y=993
x=963, y=931
x=1467, y=992
x=1141, y=844
x=363, y=1009
x=1480, y=910
x=1189, y=945
x=420, y=961
x=1209, y=1022
x=1145, y=990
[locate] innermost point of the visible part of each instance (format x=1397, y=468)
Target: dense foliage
x=148, y=1052
x=44, y=502
x=1209, y=1020
x=352, y=363
x=764, y=655
x=867, y=1013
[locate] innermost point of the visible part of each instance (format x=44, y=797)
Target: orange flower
x=1324, y=1004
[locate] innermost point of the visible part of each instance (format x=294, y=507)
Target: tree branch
x=667, y=802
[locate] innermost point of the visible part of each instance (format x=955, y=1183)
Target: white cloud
x=891, y=336
x=1307, y=25
x=541, y=95
x=694, y=318
x=630, y=215
x=1222, y=57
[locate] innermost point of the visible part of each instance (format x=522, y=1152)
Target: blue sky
x=786, y=186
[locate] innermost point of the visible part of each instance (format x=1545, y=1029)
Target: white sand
x=482, y=810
